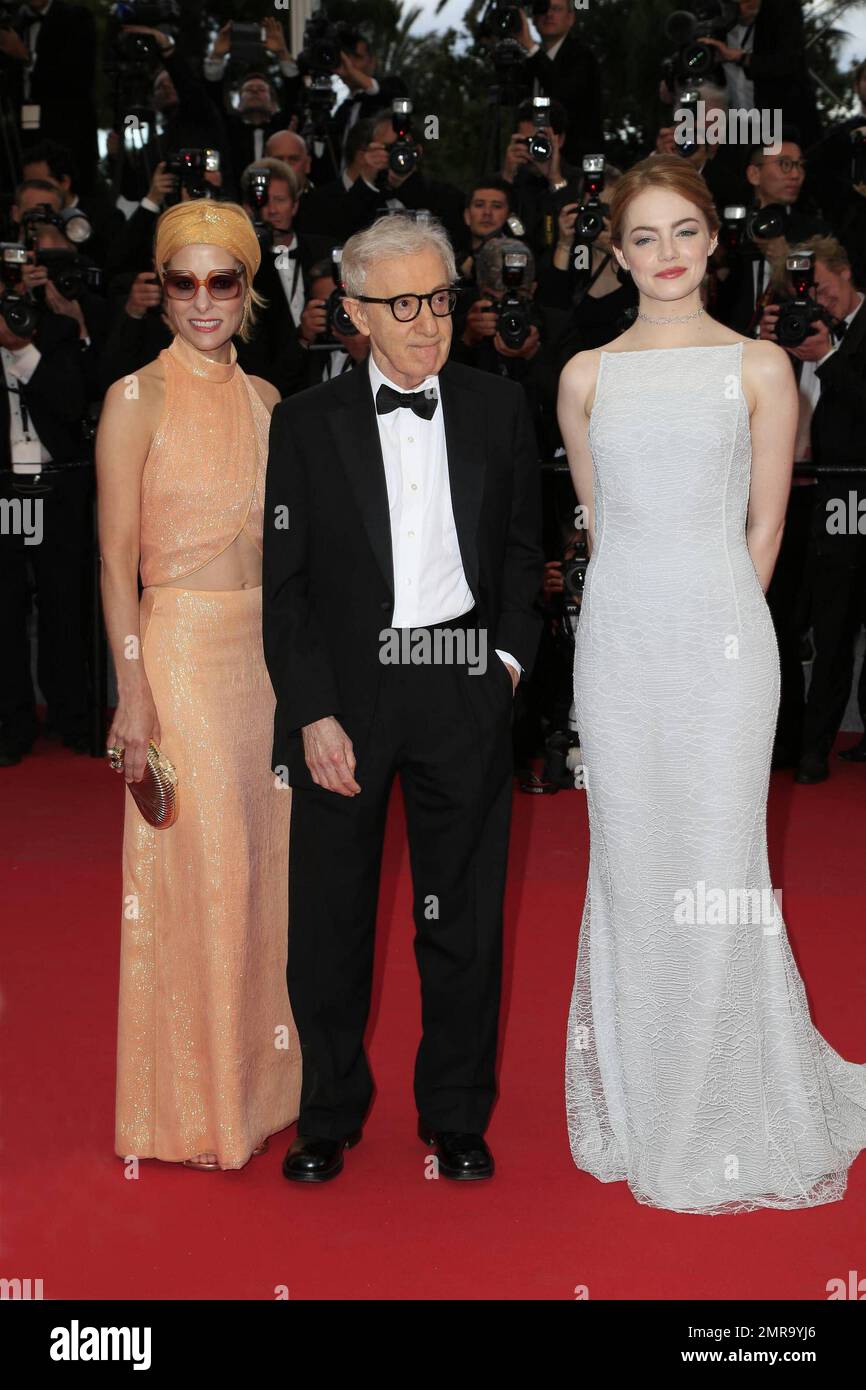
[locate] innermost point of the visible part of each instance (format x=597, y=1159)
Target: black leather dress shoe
x=857, y=754
x=812, y=768
x=464, y=1157
x=316, y=1160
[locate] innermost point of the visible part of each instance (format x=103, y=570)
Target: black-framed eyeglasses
x=786, y=163
x=407, y=307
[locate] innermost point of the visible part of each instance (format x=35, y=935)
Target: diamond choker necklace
x=675, y=318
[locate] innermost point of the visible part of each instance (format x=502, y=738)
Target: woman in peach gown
x=208, y=1063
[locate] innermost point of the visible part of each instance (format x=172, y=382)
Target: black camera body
x=800, y=311
x=589, y=221
x=189, y=167
x=540, y=146
x=687, y=28
x=259, y=181
x=512, y=310
x=66, y=270
x=336, y=316
x=126, y=54
x=403, y=152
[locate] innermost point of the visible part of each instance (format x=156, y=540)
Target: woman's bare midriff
x=238, y=567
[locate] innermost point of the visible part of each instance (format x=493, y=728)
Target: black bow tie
x=388, y=399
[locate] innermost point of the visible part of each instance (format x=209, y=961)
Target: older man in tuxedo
x=402, y=561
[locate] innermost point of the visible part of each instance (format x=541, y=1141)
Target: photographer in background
x=721, y=166
x=506, y=333
x=291, y=148
x=56, y=272
x=351, y=347
x=775, y=221
x=565, y=69
x=831, y=373
x=326, y=210
x=275, y=349
x=488, y=206
x=50, y=53
x=381, y=188
x=43, y=403
x=261, y=110
x=542, y=179
x=764, y=60
x=599, y=296
x=368, y=91
x=837, y=172
x=184, y=117
x=54, y=163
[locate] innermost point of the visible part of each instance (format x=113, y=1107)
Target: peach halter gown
x=207, y=1053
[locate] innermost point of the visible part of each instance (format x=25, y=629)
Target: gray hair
x=488, y=263
x=278, y=168
x=389, y=237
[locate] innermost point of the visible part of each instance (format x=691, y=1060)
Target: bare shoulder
x=138, y=397
x=765, y=360
x=768, y=375
x=266, y=391
x=578, y=377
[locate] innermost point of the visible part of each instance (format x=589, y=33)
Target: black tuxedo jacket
x=839, y=418
x=573, y=77
x=56, y=394
x=274, y=350
x=327, y=575
x=62, y=84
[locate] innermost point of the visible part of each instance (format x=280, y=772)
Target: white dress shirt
x=291, y=277
x=741, y=88
x=810, y=382
x=429, y=580
x=26, y=448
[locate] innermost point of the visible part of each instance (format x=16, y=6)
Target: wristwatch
x=560, y=183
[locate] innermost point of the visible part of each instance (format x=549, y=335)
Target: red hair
x=666, y=171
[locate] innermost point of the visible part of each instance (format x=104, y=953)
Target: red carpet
x=382, y=1230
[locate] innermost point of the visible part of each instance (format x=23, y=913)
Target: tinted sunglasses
x=220, y=284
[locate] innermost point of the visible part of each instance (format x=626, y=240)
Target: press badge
x=31, y=117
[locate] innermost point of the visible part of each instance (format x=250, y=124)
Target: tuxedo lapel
x=360, y=449
x=466, y=442
x=357, y=434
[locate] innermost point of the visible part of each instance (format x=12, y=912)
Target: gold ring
x=115, y=757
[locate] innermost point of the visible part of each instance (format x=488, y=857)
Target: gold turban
x=202, y=221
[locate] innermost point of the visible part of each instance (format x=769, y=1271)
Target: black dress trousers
x=447, y=732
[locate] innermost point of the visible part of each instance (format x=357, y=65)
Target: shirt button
x=411, y=439
x=412, y=534
x=414, y=487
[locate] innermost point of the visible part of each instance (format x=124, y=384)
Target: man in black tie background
x=402, y=500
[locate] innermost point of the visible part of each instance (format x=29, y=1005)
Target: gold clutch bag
x=156, y=794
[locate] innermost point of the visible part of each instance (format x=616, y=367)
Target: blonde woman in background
x=207, y=1059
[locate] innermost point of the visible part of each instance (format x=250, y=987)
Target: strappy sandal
x=202, y=1167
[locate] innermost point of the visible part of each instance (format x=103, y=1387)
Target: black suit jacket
x=779, y=68
x=839, y=418
x=328, y=584
x=63, y=83
x=56, y=394
x=274, y=350
x=573, y=77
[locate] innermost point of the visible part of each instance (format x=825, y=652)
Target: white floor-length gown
x=693, y=1069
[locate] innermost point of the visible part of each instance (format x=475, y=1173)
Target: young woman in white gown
x=693, y=1069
